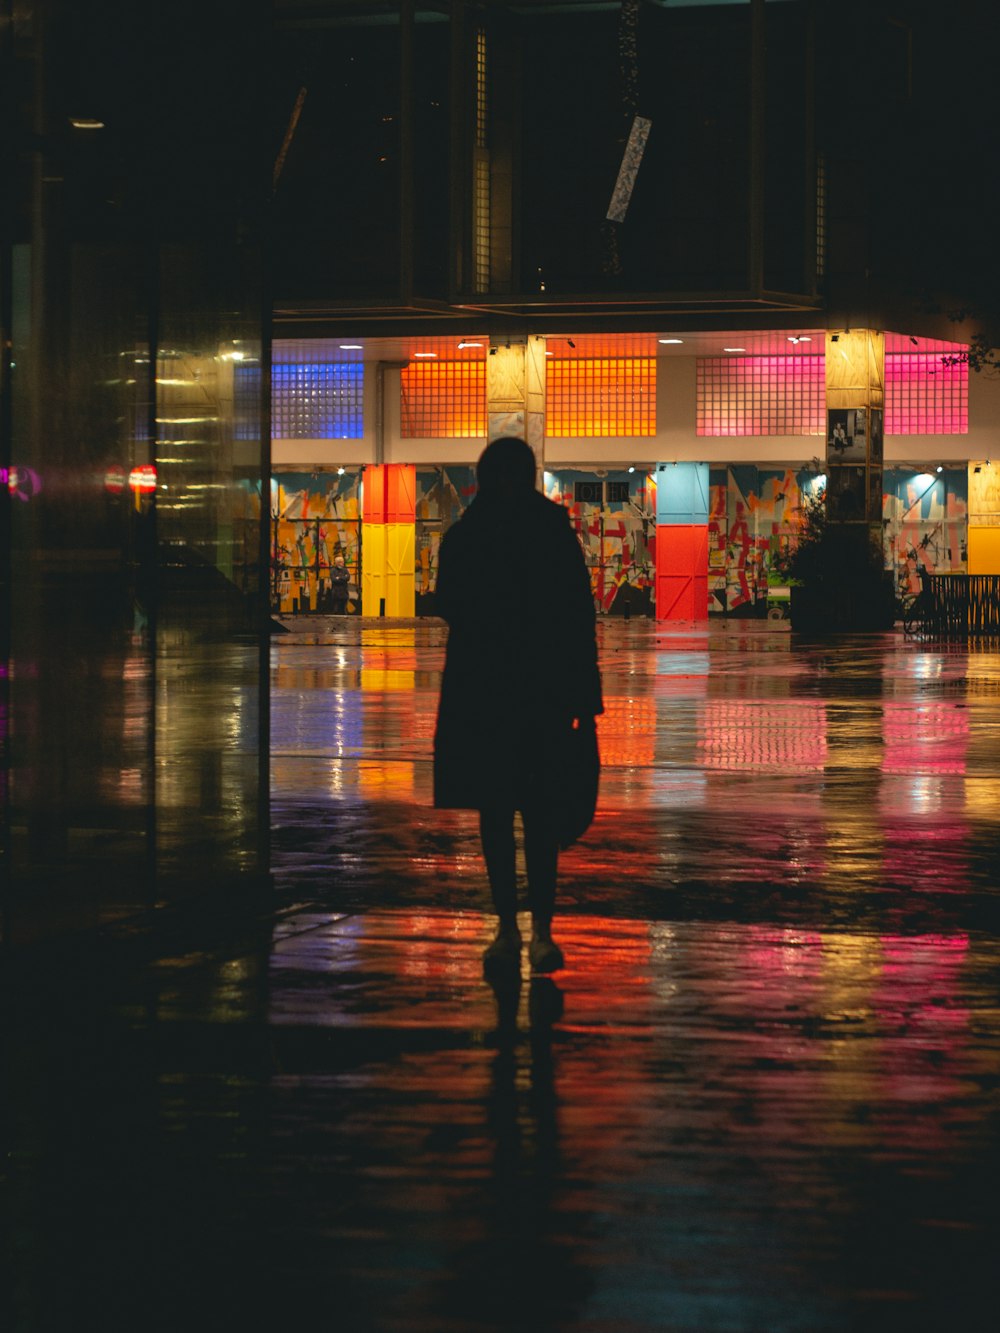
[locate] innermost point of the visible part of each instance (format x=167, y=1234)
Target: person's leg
x=541, y=854
x=496, y=829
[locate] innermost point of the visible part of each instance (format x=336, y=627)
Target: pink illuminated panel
x=761, y=395
x=923, y=396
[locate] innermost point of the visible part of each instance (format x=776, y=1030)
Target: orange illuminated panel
x=626, y=732
x=606, y=396
x=443, y=400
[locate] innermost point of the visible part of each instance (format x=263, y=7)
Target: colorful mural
x=617, y=528
x=442, y=496
x=926, y=523
x=314, y=518
x=754, y=515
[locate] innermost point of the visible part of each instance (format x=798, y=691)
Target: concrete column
x=515, y=393
x=855, y=403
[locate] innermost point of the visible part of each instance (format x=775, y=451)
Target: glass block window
x=443, y=400
x=481, y=221
x=820, y=215
x=761, y=395
x=600, y=396
x=317, y=401
x=482, y=102
x=923, y=396
x=246, y=401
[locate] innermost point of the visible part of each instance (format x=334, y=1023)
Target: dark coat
x=521, y=661
x=340, y=581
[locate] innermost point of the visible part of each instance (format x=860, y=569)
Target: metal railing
x=959, y=606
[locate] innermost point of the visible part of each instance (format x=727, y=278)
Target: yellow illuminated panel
x=984, y=550
x=600, y=396
x=443, y=400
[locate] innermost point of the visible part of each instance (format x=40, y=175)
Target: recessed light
x=425, y=354
x=668, y=341
x=86, y=123
x=734, y=349
x=351, y=347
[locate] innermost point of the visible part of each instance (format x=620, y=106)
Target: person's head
x=506, y=468
x=338, y=560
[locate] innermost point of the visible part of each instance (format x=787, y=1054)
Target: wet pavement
x=763, y=1095
x=848, y=783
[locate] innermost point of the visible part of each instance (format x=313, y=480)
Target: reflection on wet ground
x=744, y=775
x=696, y=1126
x=763, y=1096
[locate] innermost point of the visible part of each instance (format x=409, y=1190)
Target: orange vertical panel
x=400, y=493
x=681, y=572
x=373, y=506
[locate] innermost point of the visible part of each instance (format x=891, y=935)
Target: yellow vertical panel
x=373, y=569
x=984, y=550
x=400, y=560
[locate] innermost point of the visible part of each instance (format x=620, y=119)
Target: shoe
x=545, y=955
x=503, y=953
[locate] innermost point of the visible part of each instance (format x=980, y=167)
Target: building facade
x=626, y=417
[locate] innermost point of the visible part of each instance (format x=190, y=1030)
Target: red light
x=114, y=479
x=143, y=479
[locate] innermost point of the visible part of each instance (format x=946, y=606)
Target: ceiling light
x=631, y=469
x=351, y=347
x=86, y=123
x=425, y=353
x=461, y=345
x=670, y=341
x=734, y=349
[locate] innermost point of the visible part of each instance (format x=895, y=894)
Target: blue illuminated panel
x=317, y=401
x=681, y=493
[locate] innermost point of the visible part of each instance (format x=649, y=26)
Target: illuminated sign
x=143, y=479
x=114, y=479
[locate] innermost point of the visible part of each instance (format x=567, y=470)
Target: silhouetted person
x=340, y=578
x=520, y=689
